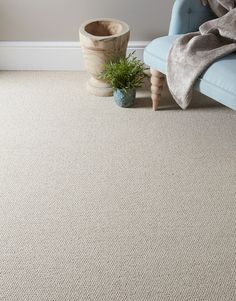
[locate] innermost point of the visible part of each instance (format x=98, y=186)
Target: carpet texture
x=103, y=203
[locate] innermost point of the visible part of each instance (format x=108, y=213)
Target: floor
x=103, y=203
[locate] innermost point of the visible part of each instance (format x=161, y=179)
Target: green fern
x=128, y=73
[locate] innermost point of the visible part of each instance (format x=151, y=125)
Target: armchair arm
x=188, y=15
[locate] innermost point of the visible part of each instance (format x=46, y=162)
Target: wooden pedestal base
x=99, y=88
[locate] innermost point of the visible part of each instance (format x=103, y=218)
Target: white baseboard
x=49, y=55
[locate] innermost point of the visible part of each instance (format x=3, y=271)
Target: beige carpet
x=103, y=203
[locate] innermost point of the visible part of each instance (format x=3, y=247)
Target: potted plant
x=124, y=76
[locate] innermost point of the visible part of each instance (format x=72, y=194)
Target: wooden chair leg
x=157, y=82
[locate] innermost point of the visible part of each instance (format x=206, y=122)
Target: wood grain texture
x=157, y=82
x=102, y=40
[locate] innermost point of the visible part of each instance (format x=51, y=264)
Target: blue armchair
x=217, y=82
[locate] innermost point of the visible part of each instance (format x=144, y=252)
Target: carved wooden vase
x=102, y=40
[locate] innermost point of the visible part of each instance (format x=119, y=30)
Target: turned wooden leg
x=157, y=82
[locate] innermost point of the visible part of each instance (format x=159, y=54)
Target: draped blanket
x=193, y=53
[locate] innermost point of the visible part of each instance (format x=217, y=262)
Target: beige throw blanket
x=192, y=53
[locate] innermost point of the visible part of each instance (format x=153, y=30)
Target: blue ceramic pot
x=125, y=99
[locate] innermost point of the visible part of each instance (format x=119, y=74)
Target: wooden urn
x=102, y=40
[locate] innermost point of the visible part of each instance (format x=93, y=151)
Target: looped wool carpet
x=103, y=203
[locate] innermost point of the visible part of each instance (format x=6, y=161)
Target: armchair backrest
x=188, y=15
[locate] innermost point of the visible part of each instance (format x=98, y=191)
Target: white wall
x=59, y=20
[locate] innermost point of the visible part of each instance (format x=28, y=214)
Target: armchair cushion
x=217, y=82
x=156, y=53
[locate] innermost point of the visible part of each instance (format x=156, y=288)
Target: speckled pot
x=125, y=99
